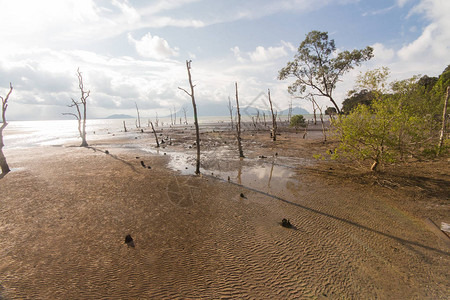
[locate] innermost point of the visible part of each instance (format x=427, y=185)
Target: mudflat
x=65, y=212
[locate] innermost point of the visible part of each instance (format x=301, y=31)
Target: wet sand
x=65, y=212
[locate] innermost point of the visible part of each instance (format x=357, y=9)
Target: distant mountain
x=253, y=111
x=219, y=110
x=120, y=116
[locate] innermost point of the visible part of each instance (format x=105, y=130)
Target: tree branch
x=185, y=91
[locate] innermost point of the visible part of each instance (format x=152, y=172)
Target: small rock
x=262, y=156
x=228, y=178
x=286, y=223
x=106, y=152
x=142, y=163
x=129, y=241
x=148, y=167
x=243, y=196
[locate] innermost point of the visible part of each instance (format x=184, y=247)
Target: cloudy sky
x=135, y=50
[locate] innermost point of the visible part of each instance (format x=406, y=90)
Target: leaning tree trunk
x=3, y=163
x=274, y=120
x=444, y=121
x=238, y=125
x=156, y=136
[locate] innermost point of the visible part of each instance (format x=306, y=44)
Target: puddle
x=270, y=175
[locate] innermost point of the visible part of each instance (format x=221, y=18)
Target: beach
x=66, y=210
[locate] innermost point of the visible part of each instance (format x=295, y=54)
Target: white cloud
x=237, y=54
x=153, y=47
x=433, y=45
x=382, y=54
x=262, y=54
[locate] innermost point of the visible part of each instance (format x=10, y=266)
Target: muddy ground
x=65, y=212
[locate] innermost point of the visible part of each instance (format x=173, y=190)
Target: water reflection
x=265, y=175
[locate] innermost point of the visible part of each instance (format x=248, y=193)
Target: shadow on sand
x=398, y=239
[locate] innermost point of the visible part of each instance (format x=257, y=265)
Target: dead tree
x=156, y=136
x=274, y=120
x=230, y=109
x=138, y=116
x=238, y=125
x=290, y=111
x=197, y=131
x=324, y=132
x=444, y=121
x=3, y=164
x=81, y=117
x=156, y=119
x=174, y=115
x=124, y=127
x=184, y=108
x=171, y=116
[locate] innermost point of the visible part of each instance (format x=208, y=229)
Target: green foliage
x=399, y=123
x=330, y=111
x=298, y=121
x=317, y=67
x=363, y=97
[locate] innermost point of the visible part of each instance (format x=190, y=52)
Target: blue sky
x=135, y=51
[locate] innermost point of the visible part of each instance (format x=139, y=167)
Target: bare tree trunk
x=185, y=112
x=290, y=111
x=174, y=115
x=156, y=120
x=80, y=117
x=83, y=99
x=138, y=116
x=264, y=116
x=238, y=125
x=324, y=132
x=444, y=121
x=314, y=111
x=274, y=120
x=197, y=131
x=230, y=109
x=156, y=136
x=3, y=164
x=124, y=127
x=171, y=116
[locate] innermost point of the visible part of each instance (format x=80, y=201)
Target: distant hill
x=218, y=110
x=119, y=116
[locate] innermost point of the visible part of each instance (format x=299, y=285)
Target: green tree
x=317, y=67
x=363, y=97
x=393, y=128
x=298, y=121
x=330, y=111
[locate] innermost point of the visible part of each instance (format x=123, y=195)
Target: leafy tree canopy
x=298, y=121
x=317, y=66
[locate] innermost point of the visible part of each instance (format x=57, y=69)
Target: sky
x=134, y=51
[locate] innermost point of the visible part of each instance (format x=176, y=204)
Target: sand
x=65, y=212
